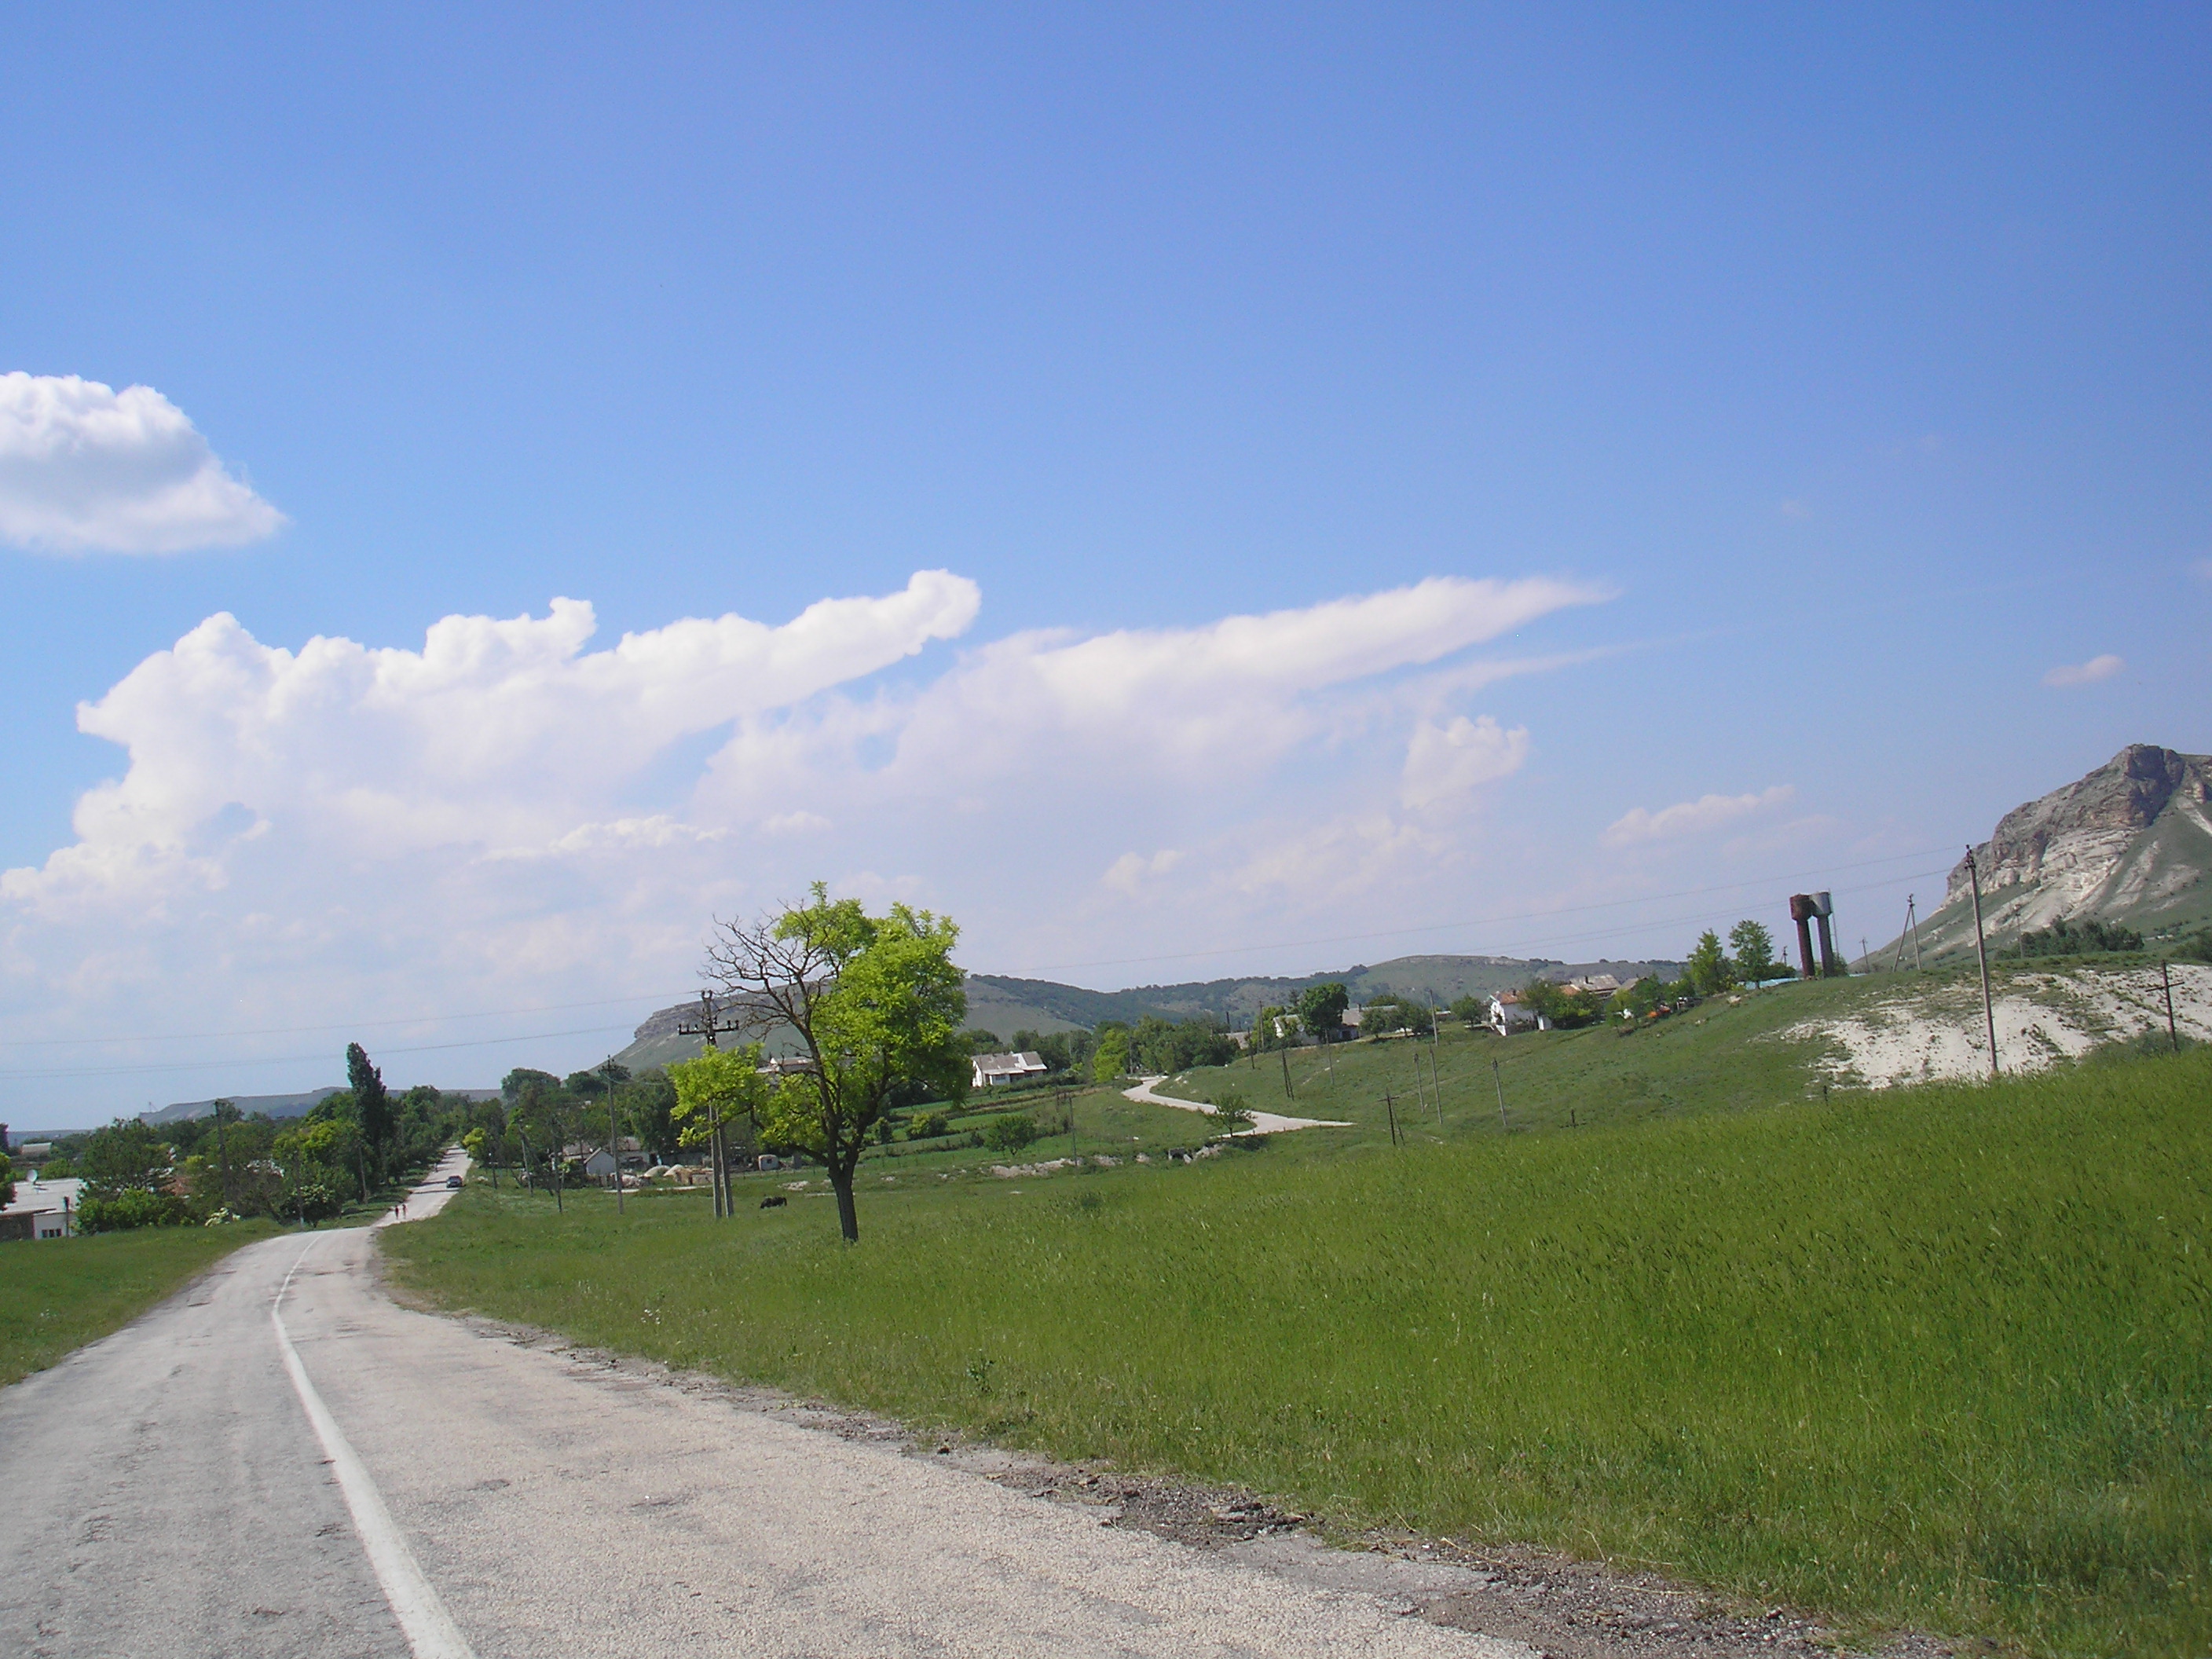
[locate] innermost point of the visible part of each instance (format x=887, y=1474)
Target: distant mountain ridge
x=2129, y=842
x=267, y=1105
x=1003, y=1005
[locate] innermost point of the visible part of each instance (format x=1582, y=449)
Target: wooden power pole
x=718, y=1156
x=1982, y=955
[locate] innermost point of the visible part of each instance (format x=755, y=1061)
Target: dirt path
x=1263, y=1123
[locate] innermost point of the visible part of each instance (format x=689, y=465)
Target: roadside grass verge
x=59, y=1294
x=1941, y=1356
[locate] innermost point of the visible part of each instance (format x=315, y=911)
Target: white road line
x=429, y=1629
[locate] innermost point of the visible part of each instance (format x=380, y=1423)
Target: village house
x=43, y=1209
x=1508, y=1014
x=993, y=1070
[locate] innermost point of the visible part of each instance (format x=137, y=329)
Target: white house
x=52, y=1205
x=1508, y=1015
x=992, y=1070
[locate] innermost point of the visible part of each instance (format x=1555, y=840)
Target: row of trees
x=1156, y=1047
x=349, y=1145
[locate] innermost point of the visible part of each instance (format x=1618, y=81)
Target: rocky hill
x=2132, y=842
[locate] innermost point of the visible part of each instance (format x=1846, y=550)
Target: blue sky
x=1810, y=387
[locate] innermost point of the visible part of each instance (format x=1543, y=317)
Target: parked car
x=453, y=1182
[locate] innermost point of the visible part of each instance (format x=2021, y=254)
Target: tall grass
x=60, y=1294
x=1943, y=1357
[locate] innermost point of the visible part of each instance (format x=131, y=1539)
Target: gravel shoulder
x=1531, y=1601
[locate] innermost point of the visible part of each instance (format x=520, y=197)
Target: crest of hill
x=1003, y=1005
x=278, y=1106
x=2130, y=843
x=272, y=1106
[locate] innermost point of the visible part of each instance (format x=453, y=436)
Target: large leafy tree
x=372, y=1107
x=1754, y=951
x=543, y=1120
x=1708, y=968
x=125, y=1155
x=1322, y=1008
x=875, y=1001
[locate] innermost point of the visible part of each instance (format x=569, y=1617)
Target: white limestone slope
x=1927, y=1034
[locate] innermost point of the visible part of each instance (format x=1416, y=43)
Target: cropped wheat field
x=1941, y=1358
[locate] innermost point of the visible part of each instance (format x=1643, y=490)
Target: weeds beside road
x=60, y=1294
x=1942, y=1356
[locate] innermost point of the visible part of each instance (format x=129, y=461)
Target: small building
x=1509, y=1014
x=47, y=1209
x=993, y=1071
x=1601, y=987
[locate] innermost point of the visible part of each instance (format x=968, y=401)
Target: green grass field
x=60, y=1294
x=1942, y=1356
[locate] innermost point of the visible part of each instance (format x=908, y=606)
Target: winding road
x=1263, y=1123
x=282, y=1461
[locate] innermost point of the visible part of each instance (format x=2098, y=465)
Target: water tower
x=1805, y=909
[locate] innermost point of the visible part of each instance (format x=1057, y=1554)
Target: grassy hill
x=1756, y=1049
x=1932, y=1356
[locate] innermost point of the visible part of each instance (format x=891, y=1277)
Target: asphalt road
x=283, y=1461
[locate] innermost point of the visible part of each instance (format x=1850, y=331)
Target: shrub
x=134, y=1206
x=1232, y=1111
x=2074, y=939
x=927, y=1126
x=1010, y=1132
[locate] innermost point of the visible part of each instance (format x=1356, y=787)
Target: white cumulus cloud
x=1691, y=818
x=385, y=829
x=2085, y=673
x=1444, y=762
x=85, y=468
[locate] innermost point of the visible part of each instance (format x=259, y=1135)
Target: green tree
x=1110, y=1059
x=511, y=1085
x=1640, y=998
x=648, y=1106
x=124, y=1155
x=1322, y=1008
x=721, y=1092
x=1708, y=968
x=7, y=1179
x=372, y=1106
x=1754, y=951
x=877, y=1005
x=1010, y=1131
x=1232, y=1112
x=543, y=1120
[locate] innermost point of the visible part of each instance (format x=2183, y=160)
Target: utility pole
x=614, y=1135
x=1866, y=961
x=2166, y=978
x=1285, y=1051
x=1391, y=1107
x=710, y=1027
x=1982, y=954
x=1912, y=925
x=1498, y=1078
